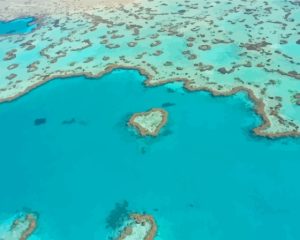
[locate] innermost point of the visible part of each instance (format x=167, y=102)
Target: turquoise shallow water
x=205, y=177
x=18, y=26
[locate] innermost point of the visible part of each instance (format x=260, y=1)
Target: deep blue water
x=206, y=177
x=18, y=26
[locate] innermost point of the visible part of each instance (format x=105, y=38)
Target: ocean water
x=68, y=154
x=18, y=26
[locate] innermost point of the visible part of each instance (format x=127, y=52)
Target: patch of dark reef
x=118, y=216
x=166, y=132
x=69, y=122
x=168, y=104
x=170, y=90
x=143, y=150
x=40, y=121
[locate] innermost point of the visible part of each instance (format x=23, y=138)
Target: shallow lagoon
x=205, y=177
x=18, y=26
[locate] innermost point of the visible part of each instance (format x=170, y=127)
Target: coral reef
x=149, y=123
x=141, y=227
x=218, y=46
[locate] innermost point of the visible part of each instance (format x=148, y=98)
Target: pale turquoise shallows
x=205, y=177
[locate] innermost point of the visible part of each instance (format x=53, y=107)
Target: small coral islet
x=149, y=123
x=20, y=228
x=139, y=227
